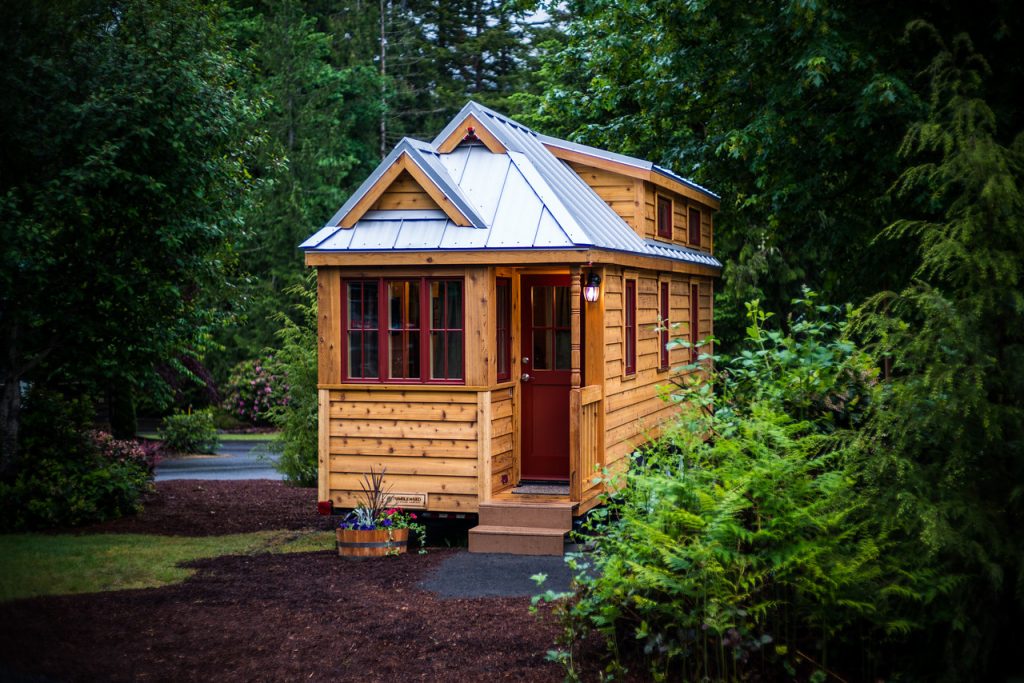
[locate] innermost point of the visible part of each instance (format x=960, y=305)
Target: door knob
x=526, y=377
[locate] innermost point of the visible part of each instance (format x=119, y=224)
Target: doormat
x=543, y=489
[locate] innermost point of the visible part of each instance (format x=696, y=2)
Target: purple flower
x=387, y=522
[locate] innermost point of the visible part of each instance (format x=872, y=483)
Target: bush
x=297, y=415
x=254, y=389
x=743, y=536
x=71, y=475
x=191, y=432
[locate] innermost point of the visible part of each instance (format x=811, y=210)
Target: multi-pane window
x=694, y=221
x=552, y=336
x=663, y=332
x=405, y=348
x=664, y=217
x=694, y=320
x=503, y=325
x=630, y=319
x=362, y=338
x=446, y=333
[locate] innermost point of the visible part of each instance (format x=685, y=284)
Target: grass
x=35, y=564
x=262, y=436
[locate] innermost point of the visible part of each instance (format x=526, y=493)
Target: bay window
x=406, y=348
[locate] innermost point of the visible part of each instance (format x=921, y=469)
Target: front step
x=516, y=540
x=517, y=528
x=547, y=515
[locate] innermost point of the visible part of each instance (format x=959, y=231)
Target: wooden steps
x=521, y=528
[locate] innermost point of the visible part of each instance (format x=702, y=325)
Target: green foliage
x=72, y=476
x=126, y=151
x=946, y=454
x=793, y=111
x=743, y=536
x=190, y=432
x=296, y=417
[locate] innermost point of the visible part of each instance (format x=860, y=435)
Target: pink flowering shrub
x=253, y=389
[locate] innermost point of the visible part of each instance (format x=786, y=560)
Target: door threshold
x=542, y=488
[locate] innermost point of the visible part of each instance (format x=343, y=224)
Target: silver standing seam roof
x=524, y=199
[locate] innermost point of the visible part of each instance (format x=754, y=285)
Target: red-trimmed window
x=387, y=338
x=503, y=305
x=362, y=336
x=664, y=217
x=663, y=324
x=630, y=337
x=694, y=221
x=694, y=321
x=446, y=333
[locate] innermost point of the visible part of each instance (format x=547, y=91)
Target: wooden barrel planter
x=371, y=543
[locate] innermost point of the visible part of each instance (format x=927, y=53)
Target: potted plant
x=372, y=528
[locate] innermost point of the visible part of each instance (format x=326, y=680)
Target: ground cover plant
x=740, y=544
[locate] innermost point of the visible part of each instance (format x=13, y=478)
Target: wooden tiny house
x=457, y=350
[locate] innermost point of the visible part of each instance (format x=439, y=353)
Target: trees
x=792, y=111
x=124, y=167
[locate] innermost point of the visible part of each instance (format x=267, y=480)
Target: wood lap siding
x=426, y=440
x=404, y=194
x=502, y=440
x=616, y=190
x=634, y=411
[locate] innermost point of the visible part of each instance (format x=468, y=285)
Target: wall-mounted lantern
x=592, y=287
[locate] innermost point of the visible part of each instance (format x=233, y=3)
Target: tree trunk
x=10, y=412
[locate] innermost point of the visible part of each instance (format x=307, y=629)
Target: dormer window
x=694, y=220
x=664, y=217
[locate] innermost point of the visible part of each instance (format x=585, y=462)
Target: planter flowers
x=373, y=529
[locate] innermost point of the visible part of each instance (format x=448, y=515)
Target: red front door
x=547, y=363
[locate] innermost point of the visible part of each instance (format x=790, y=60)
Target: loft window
x=503, y=304
x=664, y=217
x=405, y=348
x=630, y=336
x=663, y=333
x=694, y=221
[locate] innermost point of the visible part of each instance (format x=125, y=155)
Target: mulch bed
x=308, y=616
x=194, y=507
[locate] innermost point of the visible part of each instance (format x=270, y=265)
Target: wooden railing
x=586, y=441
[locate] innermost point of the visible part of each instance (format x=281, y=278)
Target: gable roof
x=523, y=198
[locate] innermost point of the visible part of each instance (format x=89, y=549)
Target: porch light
x=592, y=288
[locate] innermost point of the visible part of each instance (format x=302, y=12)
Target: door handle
x=525, y=377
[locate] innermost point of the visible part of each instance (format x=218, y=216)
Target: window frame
x=658, y=198
x=663, y=315
x=694, y=320
x=383, y=331
x=629, y=337
x=503, y=324
x=694, y=237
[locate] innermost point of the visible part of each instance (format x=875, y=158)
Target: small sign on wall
x=414, y=501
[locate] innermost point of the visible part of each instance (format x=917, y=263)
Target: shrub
x=71, y=475
x=297, y=415
x=190, y=432
x=254, y=388
x=743, y=537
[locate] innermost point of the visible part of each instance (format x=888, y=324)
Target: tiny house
x=489, y=309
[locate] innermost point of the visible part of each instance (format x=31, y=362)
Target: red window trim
x=629, y=352
x=503, y=324
x=694, y=321
x=664, y=227
x=424, y=330
x=663, y=324
x=693, y=218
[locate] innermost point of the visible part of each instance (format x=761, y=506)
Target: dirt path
x=310, y=616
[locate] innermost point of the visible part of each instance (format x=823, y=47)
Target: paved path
x=234, y=460
x=480, y=575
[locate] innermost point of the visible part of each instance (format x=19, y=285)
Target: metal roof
x=525, y=198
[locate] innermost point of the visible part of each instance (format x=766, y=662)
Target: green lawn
x=268, y=436
x=35, y=564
